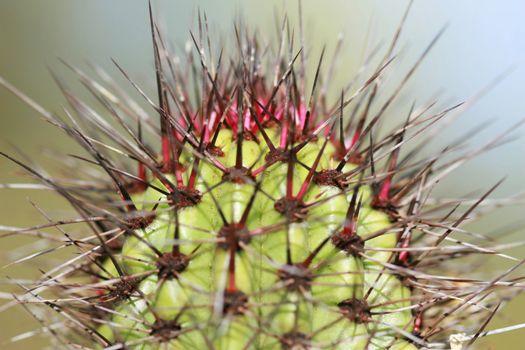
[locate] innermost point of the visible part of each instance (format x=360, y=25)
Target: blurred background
x=483, y=40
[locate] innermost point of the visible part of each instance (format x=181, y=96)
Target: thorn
x=311, y=172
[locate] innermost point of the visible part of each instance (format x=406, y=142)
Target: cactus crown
x=269, y=219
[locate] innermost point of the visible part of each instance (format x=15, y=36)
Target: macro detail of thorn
x=249, y=207
x=351, y=244
x=183, y=197
x=122, y=290
x=215, y=151
x=355, y=310
x=292, y=208
x=330, y=177
x=138, y=220
x=235, y=303
x=276, y=155
x=295, y=341
x=166, y=330
x=233, y=235
x=170, y=264
x=297, y=278
x=238, y=175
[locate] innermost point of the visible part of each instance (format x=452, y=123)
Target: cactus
x=269, y=219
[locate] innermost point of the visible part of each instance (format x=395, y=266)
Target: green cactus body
x=289, y=285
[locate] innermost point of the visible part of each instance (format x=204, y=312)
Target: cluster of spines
x=237, y=99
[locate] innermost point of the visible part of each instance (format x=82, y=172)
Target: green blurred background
x=483, y=39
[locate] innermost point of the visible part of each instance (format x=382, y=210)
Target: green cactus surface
x=266, y=261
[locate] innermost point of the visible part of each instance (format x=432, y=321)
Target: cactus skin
x=277, y=290
x=265, y=221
